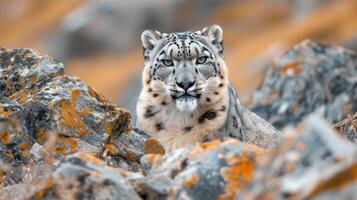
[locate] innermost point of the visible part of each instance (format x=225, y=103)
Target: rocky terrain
x=60, y=139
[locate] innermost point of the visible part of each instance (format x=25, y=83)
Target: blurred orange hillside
x=99, y=40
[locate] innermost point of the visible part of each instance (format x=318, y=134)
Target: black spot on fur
x=222, y=77
x=155, y=95
x=208, y=99
x=188, y=128
x=149, y=112
x=216, y=93
x=207, y=115
x=223, y=108
x=163, y=103
x=149, y=90
x=159, y=126
x=221, y=85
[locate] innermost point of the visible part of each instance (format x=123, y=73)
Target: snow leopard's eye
x=201, y=60
x=168, y=62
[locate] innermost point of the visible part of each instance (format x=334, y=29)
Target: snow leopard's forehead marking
x=184, y=45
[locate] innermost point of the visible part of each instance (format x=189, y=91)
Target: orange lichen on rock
x=5, y=113
x=89, y=157
x=210, y=145
x=5, y=137
x=291, y=68
x=339, y=180
x=24, y=148
x=33, y=79
x=191, y=182
x=71, y=118
x=131, y=156
x=108, y=127
x=60, y=150
x=111, y=149
x=41, y=136
x=237, y=175
x=74, y=94
x=20, y=96
x=152, y=158
x=66, y=145
x=152, y=146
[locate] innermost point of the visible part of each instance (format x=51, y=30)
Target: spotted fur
x=186, y=96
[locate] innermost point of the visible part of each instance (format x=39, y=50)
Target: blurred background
x=99, y=40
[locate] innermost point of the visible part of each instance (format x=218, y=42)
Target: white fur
x=186, y=104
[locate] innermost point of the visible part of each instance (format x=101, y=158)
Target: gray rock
x=157, y=186
x=308, y=78
x=82, y=176
x=208, y=171
x=38, y=153
x=15, y=142
x=312, y=160
x=45, y=115
x=23, y=68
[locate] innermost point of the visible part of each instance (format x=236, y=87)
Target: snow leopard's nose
x=185, y=75
x=185, y=84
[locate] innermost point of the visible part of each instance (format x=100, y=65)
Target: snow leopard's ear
x=214, y=34
x=149, y=39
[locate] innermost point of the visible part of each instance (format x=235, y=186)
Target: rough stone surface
x=79, y=117
x=81, y=176
x=208, y=171
x=308, y=78
x=15, y=143
x=131, y=146
x=22, y=68
x=45, y=114
x=313, y=160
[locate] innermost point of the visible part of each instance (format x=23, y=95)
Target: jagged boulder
x=45, y=115
x=210, y=170
x=22, y=68
x=75, y=113
x=312, y=161
x=308, y=78
x=78, y=176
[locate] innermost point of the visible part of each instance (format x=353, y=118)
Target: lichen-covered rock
x=22, y=68
x=131, y=146
x=348, y=127
x=80, y=118
x=309, y=78
x=15, y=142
x=45, y=115
x=312, y=160
x=208, y=171
x=82, y=176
